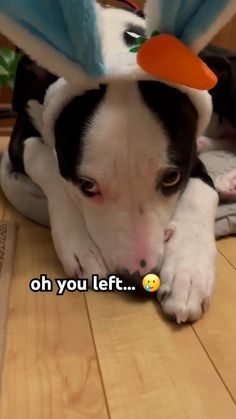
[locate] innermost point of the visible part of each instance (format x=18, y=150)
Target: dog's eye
x=171, y=178
x=88, y=187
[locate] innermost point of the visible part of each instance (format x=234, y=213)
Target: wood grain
x=228, y=248
x=152, y=368
x=227, y=36
x=51, y=368
x=3, y=145
x=217, y=331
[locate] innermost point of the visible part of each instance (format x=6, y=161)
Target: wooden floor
x=106, y=356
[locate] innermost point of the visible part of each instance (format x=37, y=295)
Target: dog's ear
x=31, y=82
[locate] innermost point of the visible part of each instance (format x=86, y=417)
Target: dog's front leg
x=77, y=252
x=188, y=270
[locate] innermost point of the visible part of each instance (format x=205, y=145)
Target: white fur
x=188, y=270
x=112, y=38
x=120, y=63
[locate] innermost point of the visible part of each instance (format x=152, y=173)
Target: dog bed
x=29, y=200
x=218, y=163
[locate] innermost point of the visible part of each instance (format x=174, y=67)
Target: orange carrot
x=167, y=58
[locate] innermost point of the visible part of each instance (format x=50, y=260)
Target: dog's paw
x=226, y=186
x=79, y=256
x=187, y=276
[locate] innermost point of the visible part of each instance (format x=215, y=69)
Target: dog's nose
x=143, y=263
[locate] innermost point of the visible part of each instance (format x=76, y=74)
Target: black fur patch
x=23, y=129
x=32, y=82
x=70, y=127
x=179, y=118
x=200, y=172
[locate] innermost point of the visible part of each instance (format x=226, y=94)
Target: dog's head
x=126, y=151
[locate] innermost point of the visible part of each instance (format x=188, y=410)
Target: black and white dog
x=126, y=191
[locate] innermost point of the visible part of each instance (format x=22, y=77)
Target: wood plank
x=6, y=94
x=153, y=368
x=3, y=204
x=228, y=249
x=3, y=145
x=226, y=37
x=51, y=369
x=217, y=331
x=5, y=131
x=4, y=42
